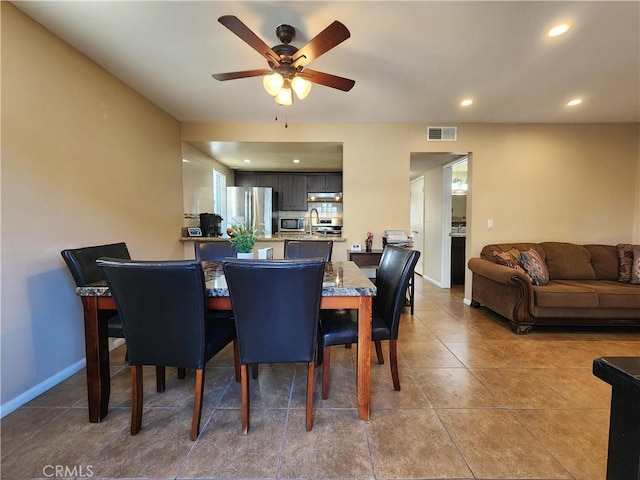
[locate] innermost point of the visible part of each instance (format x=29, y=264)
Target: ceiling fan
x=287, y=64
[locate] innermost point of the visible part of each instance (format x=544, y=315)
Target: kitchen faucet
x=310, y=219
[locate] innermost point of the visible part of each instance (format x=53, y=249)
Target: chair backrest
x=276, y=306
x=214, y=251
x=297, y=249
x=162, y=306
x=82, y=261
x=392, y=278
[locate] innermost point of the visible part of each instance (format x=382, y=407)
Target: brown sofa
x=583, y=287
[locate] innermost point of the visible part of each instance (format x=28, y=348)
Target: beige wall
x=85, y=161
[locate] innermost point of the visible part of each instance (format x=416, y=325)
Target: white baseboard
x=52, y=381
x=466, y=301
x=435, y=282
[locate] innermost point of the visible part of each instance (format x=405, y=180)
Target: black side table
x=623, y=374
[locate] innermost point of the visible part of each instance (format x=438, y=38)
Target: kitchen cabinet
x=245, y=180
x=267, y=180
x=292, y=192
x=331, y=182
x=257, y=180
x=458, y=264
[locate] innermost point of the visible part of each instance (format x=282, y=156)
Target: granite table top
x=341, y=279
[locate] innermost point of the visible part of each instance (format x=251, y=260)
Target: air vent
x=442, y=134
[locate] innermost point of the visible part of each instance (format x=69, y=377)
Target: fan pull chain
x=286, y=120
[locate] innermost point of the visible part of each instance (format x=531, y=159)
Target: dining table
x=344, y=286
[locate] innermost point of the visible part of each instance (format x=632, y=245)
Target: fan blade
x=234, y=24
x=331, y=36
x=327, y=80
x=243, y=74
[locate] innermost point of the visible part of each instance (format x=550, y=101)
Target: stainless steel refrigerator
x=253, y=207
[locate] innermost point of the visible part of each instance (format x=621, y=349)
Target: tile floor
x=477, y=402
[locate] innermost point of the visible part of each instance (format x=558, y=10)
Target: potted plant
x=243, y=239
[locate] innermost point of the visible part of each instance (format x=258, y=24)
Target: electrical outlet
x=356, y=247
x=490, y=224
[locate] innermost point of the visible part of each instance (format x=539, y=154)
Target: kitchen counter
x=274, y=238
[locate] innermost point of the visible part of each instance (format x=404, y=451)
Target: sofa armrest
x=504, y=290
x=498, y=273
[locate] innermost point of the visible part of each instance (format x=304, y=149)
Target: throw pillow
x=625, y=259
x=510, y=258
x=535, y=267
x=635, y=266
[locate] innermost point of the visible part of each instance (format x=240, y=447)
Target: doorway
x=436, y=172
x=454, y=225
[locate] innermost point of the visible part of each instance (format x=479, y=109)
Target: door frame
x=418, y=246
x=447, y=200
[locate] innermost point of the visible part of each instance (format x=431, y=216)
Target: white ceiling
x=412, y=61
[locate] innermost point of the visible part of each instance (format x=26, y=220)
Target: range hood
x=324, y=197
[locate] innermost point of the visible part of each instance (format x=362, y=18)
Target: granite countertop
x=273, y=238
x=341, y=279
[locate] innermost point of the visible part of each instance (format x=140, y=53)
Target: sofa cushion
x=487, y=251
x=604, y=260
x=510, y=258
x=535, y=267
x=568, y=261
x=625, y=259
x=611, y=293
x=635, y=266
x=565, y=295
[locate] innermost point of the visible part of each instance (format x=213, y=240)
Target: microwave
x=291, y=225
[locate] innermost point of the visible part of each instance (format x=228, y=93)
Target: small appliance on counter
x=210, y=224
x=291, y=225
x=397, y=238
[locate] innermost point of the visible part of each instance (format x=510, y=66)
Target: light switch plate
x=356, y=247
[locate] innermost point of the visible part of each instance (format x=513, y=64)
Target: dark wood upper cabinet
x=245, y=180
x=292, y=192
x=330, y=182
x=267, y=180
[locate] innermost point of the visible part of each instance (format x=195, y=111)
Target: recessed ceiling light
x=247, y=161
x=559, y=30
x=295, y=160
x=184, y=160
x=466, y=102
x=574, y=102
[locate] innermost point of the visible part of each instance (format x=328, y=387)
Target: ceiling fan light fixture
x=284, y=97
x=273, y=83
x=301, y=86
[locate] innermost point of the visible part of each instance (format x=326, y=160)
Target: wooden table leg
x=97, y=354
x=364, y=358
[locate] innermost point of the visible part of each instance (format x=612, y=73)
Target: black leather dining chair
x=214, y=251
x=163, y=310
x=297, y=249
x=392, y=278
x=82, y=265
x=276, y=307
